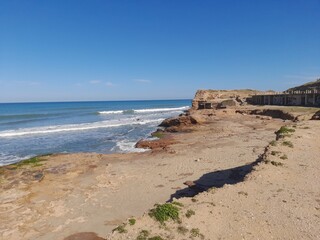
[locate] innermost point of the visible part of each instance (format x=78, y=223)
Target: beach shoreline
x=57, y=197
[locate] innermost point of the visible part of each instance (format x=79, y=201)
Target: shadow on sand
x=215, y=179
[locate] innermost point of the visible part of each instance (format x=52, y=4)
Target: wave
x=76, y=127
x=148, y=110
x=128, y=146
x=6, y=159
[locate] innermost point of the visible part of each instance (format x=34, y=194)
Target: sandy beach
x=253, y=191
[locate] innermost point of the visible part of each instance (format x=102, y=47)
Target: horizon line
x=78, y=101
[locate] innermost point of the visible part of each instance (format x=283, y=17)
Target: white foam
x=111, y=112
x=76, y=127
x=10, y=159
x=148, y=110
x=127, y=146
x=161, y=109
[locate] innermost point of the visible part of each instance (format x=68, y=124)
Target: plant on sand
x=132, y=221
x=155, y=238
x=182, y=230
x=165, y=212
x=120, y=229
x=195, y=232
x=190, y=213
x=284, y=131
x=143, y=235
x=287, y=144
x=273, y=143
x=274, y=163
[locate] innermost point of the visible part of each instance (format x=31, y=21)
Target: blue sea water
x=30, y=129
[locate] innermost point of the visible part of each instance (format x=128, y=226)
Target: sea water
x=30, y=129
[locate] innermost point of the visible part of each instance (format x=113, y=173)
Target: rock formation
x=213, y=99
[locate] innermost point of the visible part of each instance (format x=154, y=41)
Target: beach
x=67, y=194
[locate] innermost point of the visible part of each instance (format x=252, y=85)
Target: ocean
x=30, y=129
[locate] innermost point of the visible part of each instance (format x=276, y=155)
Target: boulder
x=179, y=121
x=316, y=116
x=155, y=144
x=228, y=103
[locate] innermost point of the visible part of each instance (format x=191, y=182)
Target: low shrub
x=164, y=212
x=190, y=213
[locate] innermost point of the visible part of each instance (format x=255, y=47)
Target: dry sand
x=76, y=193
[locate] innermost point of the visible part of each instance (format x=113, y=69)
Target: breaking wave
x=77, y=127
x=148, y=110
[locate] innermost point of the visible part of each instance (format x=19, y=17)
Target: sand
x=94, y=193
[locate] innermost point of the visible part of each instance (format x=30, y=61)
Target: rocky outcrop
x=181, y=121
x=274, y=113
x=316, y=116
x=212, y=99
x=228, y=103
x=307, y=86
x=158, y=144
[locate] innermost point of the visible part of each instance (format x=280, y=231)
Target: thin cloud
x=142, y=80
x=110, y=84
x=27, y=83
x=94, y=81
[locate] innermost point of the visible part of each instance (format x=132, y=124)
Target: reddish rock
x=179, y=121
x=316, y=116
x=155, y=144
x=84, y=236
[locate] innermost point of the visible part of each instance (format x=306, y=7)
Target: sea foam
x=77, y=127
x=148, y=110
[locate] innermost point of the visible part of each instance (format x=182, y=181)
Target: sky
x=87, y=50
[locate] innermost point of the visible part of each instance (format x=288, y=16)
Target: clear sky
x=62, y=50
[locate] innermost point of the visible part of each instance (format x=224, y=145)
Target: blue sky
x=64, y=50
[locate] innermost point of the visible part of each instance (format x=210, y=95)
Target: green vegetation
x=287, y=144
x=274, y=163
x=178, y=204
x=273, y=143
x=274, y=153
x=182, y=230
x=284, y=157
x=158, y=134
x=33, y=162
x=195, y=232
x=190, y=213
x=155, y=238
x=143, y=235
x=132, y=221
x=284, y=131
x=120, y=229
x=165, y=212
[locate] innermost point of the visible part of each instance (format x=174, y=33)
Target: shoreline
x=49, y=206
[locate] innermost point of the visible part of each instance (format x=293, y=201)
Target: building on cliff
x=289, y=98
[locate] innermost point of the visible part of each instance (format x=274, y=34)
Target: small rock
x=38, y=176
